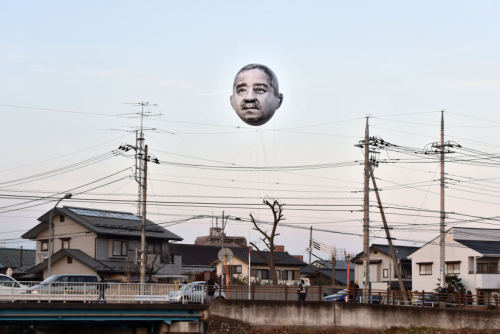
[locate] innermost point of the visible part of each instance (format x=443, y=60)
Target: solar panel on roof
x=105, y=214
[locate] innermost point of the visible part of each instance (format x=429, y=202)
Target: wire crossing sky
x=71, y=71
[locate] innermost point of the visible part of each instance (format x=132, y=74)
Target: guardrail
x=104, y=293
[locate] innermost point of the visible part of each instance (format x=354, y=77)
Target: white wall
x=454, y=251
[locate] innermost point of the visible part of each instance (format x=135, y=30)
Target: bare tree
x=267, y=238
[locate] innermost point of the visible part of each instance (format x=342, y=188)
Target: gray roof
x=340, y=273
x=16, y=257
x=206, y=255
x=105, y=222
x=402, y=252
x=76, y=254
x=483, y=247
x=327, y=264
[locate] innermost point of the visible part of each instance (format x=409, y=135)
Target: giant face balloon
x=256, y=94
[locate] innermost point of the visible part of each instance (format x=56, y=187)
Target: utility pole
x=366, y=214
x=139, y=144
x=442, y=148
x=143, y=185
x=143, y=224
x=310, y=243
x=388, y=235
x=442, y=269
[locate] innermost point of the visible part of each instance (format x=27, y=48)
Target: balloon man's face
x=254, y=99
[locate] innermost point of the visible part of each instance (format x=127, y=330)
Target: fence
x=199, y=292
x=387, y=297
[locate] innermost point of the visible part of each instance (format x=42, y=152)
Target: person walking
x=101, y=289
x=302, y=291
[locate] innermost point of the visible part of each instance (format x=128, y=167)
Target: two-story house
x=382, y=273
x=473, y=254
x=103, y=242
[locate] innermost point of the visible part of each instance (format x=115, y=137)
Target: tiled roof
x=16, y=257
x=76, y=254
x=207, y=255
x=105, y=222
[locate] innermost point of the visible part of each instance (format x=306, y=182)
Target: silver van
x=67, y=284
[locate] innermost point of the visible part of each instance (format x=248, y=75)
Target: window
x=61, y=218
x=263, y=273
x=44, y=245
x=153, y=247
x=452, y=268
x=65, y=243
x=119, y=248
x=471, y=264
x=234, y=269
x=386, y=273
x=485, y=266
x=69, y=260
x=287, y=275
x=425, y=268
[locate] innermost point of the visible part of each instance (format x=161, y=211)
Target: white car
x=194, y=292
x=9, y=286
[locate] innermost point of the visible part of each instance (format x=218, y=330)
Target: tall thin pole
x=51, y=235
x=310, y=243
x=442, y=269
x=366, y=215
x=143, y=225
x=388, y=235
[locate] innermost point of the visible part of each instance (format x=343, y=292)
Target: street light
x=51, y=232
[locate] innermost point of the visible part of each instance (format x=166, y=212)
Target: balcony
x=488, y=281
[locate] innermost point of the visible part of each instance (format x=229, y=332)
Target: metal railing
x=104, y=293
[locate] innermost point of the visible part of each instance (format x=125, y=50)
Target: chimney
x=279, y=248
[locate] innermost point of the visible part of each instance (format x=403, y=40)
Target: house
x=196, y=259
x=215, y=239
x=287, y=266
x=15, y=261
x=103, y=242
x=473, y=254
x=382, y=273
x=320, y=272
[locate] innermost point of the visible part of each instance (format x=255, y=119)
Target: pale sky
x=68, y=68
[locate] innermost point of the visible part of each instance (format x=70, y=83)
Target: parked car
x=194, y=292
x=341, y=296
x=9, y=286
x=66, y=284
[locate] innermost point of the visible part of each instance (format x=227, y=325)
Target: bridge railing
x=104, y=292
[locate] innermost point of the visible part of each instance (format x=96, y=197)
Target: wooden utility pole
x=388, y=235
x=366, y=215
x=143, y=225
x=442, y=269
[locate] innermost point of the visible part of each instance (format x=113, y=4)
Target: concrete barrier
x=280, y=313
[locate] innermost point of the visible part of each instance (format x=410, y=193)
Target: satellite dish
x=225, y=253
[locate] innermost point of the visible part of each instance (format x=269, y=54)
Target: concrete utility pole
x=310, y=243
x=442, y=268
x=366, y=214
x=388, y=235
x=443, y=148
x=143, y=224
